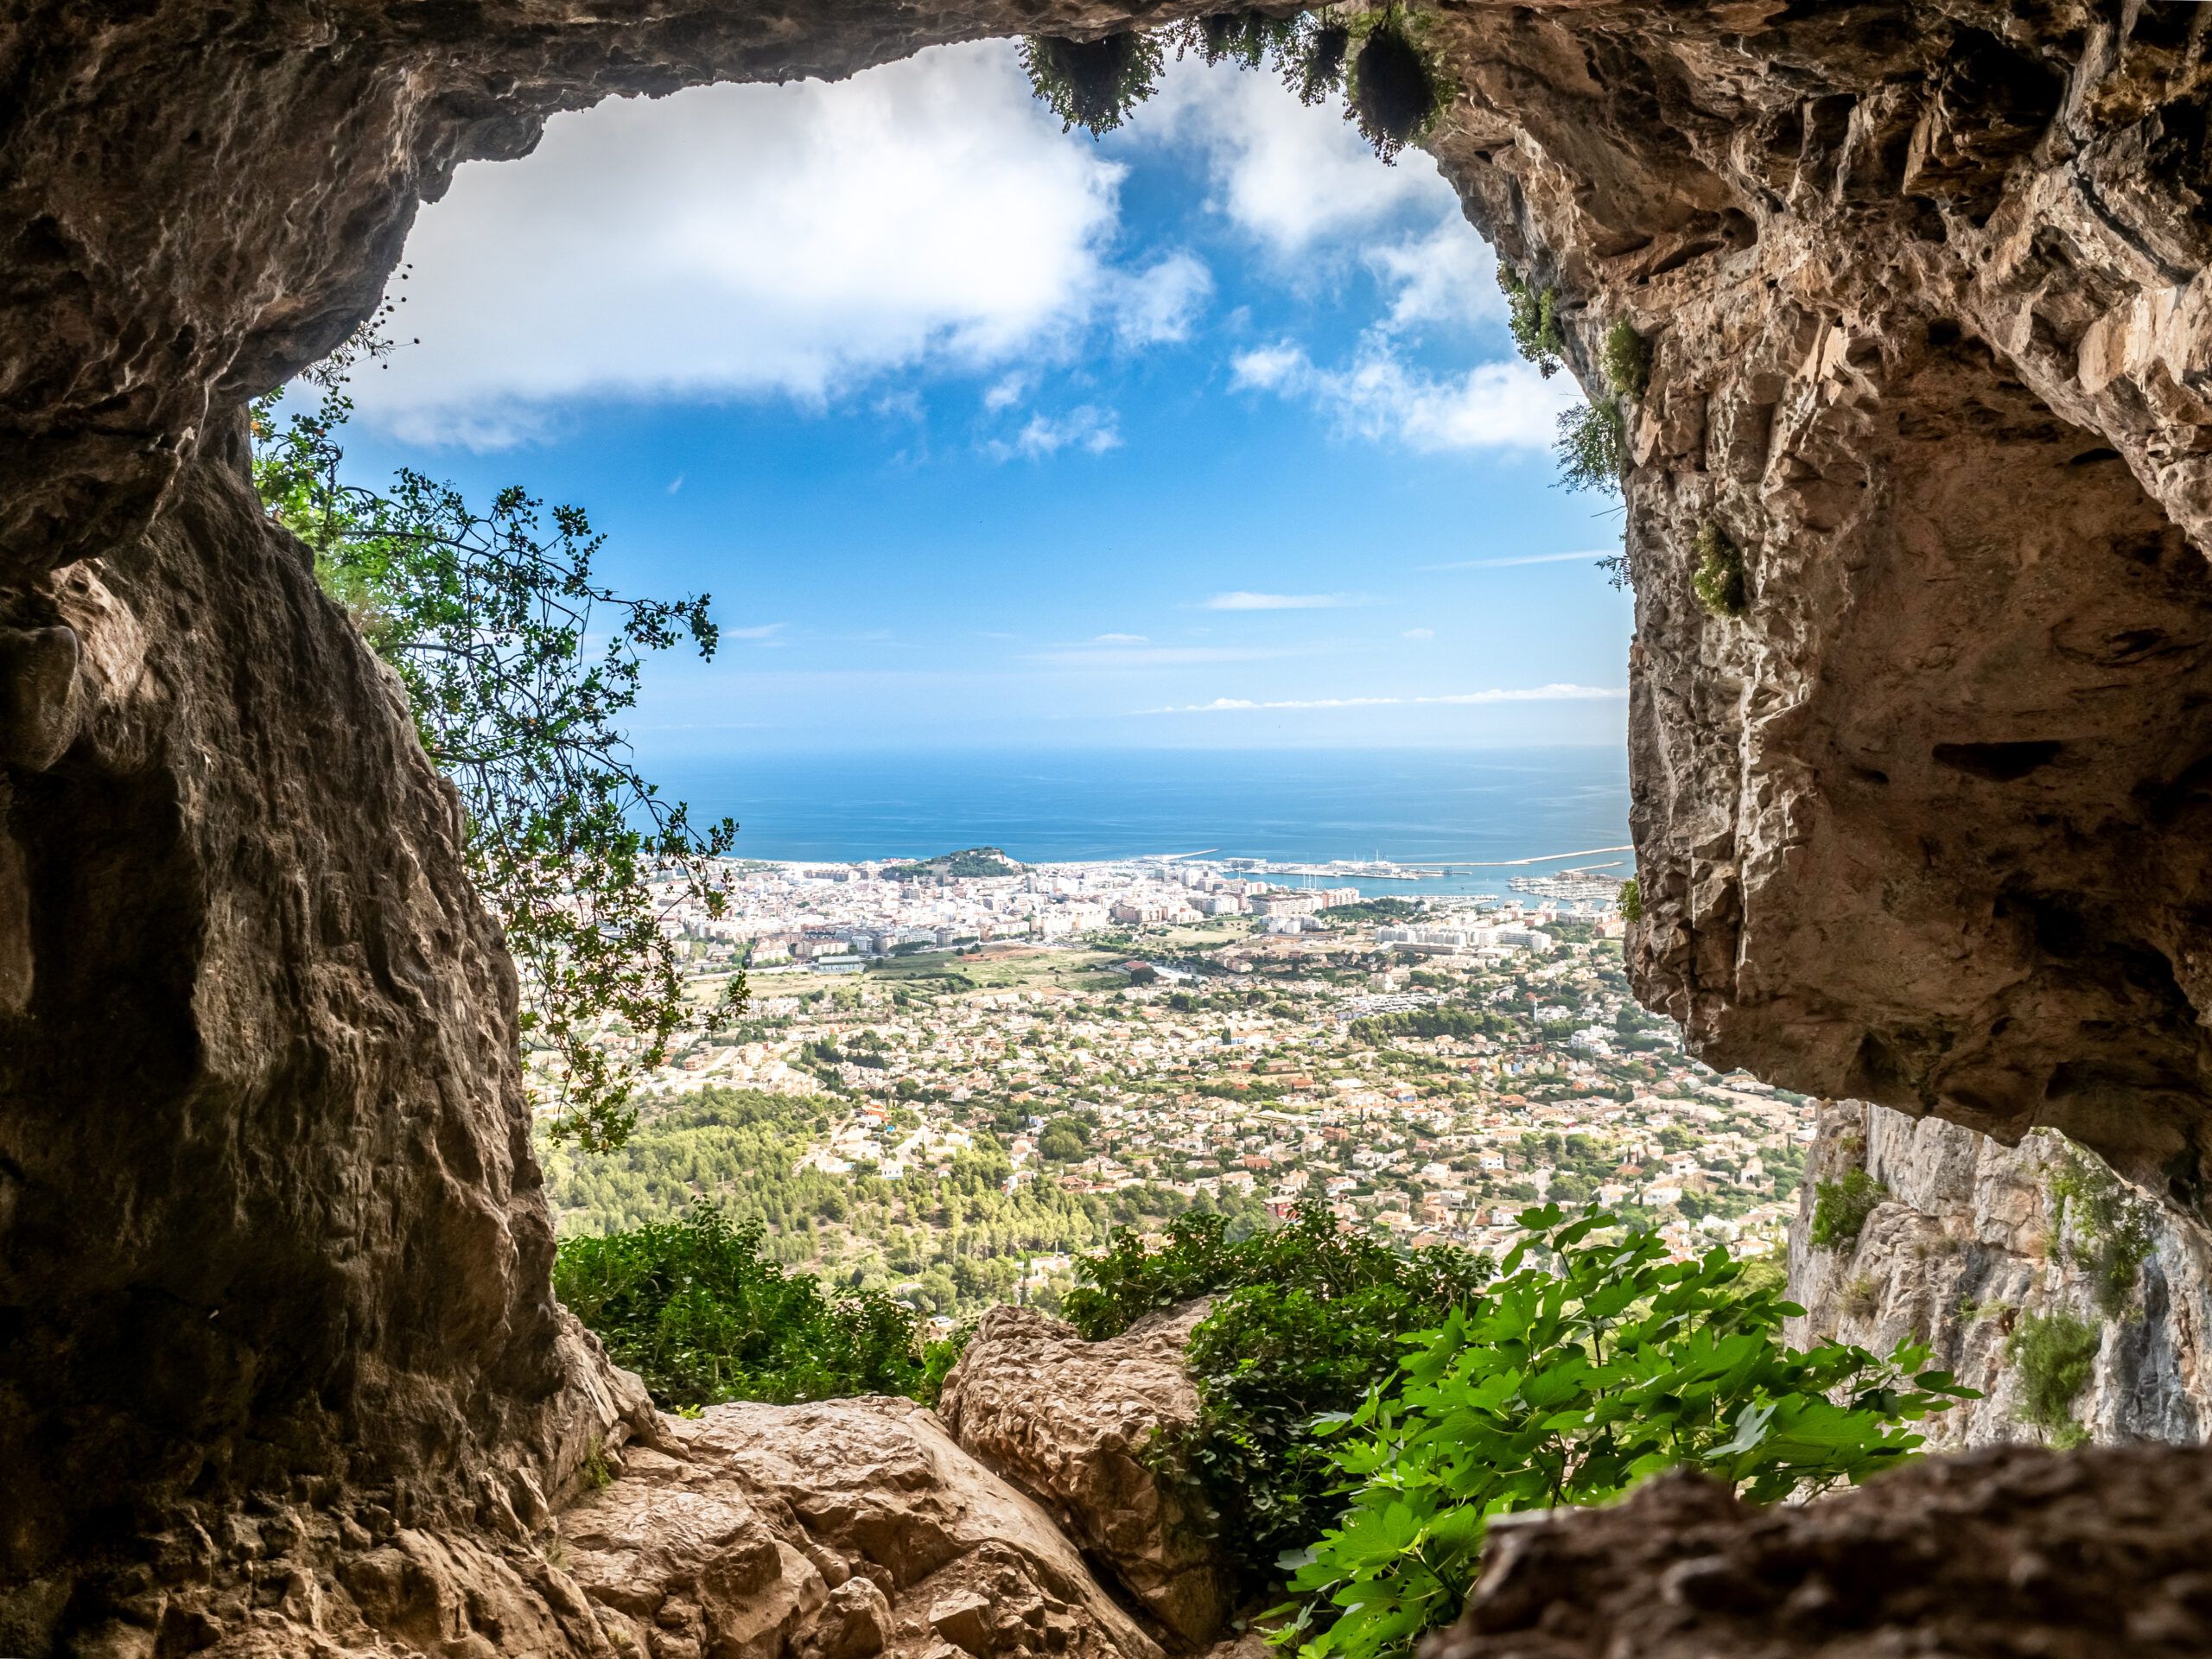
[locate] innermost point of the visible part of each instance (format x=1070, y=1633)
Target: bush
x=1631, y=900
x=1862, y=1297
x=1626, y=359
x=1394, y=95
x=1568, y=1385
x=1094, y=85
x=694, y=1309
x=1717, y=581
x=1532, y=317
x=1311, y=1318
x=1245, y=38
x=1317, y=67
x=1593, y=447
x=2102, y=1227
x=2054, y=1354
x=1840, y=1208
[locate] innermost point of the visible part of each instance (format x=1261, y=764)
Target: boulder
x=2007, y=1550
x=1071, y=1422
x=841, y=1530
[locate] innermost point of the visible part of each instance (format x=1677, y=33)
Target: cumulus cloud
x=1444, y=276
x=1289, y=174
x=756, y=239
x=1157, y=305
x=1379, y=396
x=1558, y=693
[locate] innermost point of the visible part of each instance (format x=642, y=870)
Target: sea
x=1464, y=810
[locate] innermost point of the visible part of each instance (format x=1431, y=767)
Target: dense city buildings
x=952, y=1075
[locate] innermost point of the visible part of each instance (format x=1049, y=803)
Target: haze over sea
x=1411, y=806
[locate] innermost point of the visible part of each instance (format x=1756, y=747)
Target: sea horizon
x=1408, y=806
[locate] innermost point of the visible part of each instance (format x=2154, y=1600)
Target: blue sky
x=1209, y=435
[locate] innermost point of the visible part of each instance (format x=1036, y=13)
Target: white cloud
x=1157, y=305
x=1150, y=656
x=1558, y=693
x=1244, y=602
x=1288, y=173
x=1446, y=275
x=763, y=631
x=789, y=239
x=1006, y=391
x=1120, y=640
x=1420, y=633
x=1378, y=396
x=1593, y=555
x=675, y=484
x=1087, y=428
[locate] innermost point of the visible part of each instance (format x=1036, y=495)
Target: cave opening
x=1928, y=347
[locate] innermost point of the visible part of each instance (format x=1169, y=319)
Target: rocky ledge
x=1967, y=1238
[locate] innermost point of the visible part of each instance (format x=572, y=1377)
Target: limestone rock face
x=1924, y=290
x=1069, y=1421
x=1966, y=1244
x=834, y=1531
x=2003, y=1551
x=269, y=1218
x=1924, y=287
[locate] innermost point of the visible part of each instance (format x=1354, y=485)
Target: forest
x=953, y=1245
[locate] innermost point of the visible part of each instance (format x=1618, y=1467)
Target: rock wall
x=1927, y=824
x=1924, y=289
x=268, y=1219
x=1973, y=1236
x=1999, y=1553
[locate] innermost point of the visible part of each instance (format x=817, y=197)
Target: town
x=954, y=1074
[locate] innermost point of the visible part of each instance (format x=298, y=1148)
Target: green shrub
x=1566, y=1384
x=1394, y=92
x=696, y=1310
x=1244, y=38
x=2054, y=1354
x=1631, y=900
x=1532, y=317
x=1094, y=85
x=2100, y=1227
x=1840, y=1208
x=1862, y=1297
x=1626, y=359
x=1311, y=1316
x=1592, y=445
x=1316, y=67
x=1719, y=580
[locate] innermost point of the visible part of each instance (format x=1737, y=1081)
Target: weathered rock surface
x=1965, y=1245
x=833, y=1531
x=268, y=1219
x=1069, y=1423
x=2000, y=1553
x=1926, y=288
